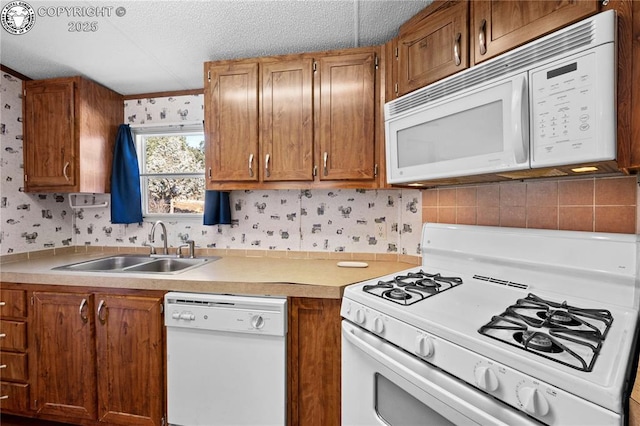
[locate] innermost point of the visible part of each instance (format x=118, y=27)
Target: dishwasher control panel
x=221, y=312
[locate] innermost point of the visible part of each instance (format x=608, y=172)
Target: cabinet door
x=64, y=363
x=49, y=135
x=130, y=359
x=313, y=362
x=286, y=133
x=498, y=26
x=231, y=122
x=433, y=48
x=346, y=117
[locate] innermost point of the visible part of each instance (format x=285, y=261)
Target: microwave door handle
x=519, y=118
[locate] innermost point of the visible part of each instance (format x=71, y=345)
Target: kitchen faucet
x=165, y=250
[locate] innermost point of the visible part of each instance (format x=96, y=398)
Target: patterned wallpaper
x=304, y=220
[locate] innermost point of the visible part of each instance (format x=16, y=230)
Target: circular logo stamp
x=17, y=17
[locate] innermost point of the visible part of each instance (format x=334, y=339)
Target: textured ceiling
x=160, y=46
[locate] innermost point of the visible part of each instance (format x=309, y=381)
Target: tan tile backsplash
x=602, y=204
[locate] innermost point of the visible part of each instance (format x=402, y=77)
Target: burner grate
x=412, y=287
x=547, y=328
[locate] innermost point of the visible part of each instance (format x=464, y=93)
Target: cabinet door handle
x=209, y=172
x=64, y=171
x=266, y=165
x=2, y=304
x=325, y=158
x=102, y=308
x=456, y=49
x=482, y=37
x=83, y=305
x=250, y=165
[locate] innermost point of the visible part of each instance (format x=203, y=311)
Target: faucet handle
x=192, y=250
x=151, y=247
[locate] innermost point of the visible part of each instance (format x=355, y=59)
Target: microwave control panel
x=566, y=101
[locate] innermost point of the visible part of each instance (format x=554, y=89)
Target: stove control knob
x=378, y=325
x=424, y=346
x=257, y=322
x=533, y=401
x=360, y=317
x=486, y=379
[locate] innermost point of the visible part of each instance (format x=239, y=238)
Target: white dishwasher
x=226, y=359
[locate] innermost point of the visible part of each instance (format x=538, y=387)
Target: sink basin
x=138, y=263
x=168, y=265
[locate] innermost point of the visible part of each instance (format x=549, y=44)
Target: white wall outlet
x=380, y=230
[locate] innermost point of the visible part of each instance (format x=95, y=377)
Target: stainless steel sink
x=138, y=264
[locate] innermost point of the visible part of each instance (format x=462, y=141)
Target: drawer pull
x=4, y=397
x=2, y=335
x=3, y=303
x=3, y=366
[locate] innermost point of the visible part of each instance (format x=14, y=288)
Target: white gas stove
x=543, y=321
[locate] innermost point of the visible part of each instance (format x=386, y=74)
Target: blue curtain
x=126, y=201
x=217, y=209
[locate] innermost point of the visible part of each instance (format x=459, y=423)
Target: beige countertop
x=229, y=274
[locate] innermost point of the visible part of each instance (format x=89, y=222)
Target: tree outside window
x=172, y=172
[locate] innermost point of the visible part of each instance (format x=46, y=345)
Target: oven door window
x=396, y=407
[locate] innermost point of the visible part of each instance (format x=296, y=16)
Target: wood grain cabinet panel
x=13, y=335
x=314, y=114
x=70, y=127
x=433, y=45
x=13, y=303
x=286, y=124
x=98, y=358
x=498, y=26
x=314, y=359
x=231, y=122
x=129, y=347
x=64, y=368
x=346, y=147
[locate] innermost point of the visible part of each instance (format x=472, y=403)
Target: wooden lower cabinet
x=97, y=358
x=314, y=358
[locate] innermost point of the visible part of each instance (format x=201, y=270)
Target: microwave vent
x=572, y=39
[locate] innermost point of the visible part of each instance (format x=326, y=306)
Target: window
x=171, y=171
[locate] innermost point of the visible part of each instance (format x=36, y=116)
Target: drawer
x=15, y=397
x=13, y=303
x=13, y=335
x=13, y=366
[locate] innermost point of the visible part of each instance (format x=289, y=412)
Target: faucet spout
x=165, y=249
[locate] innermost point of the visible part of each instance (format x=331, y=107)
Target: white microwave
x=542, y=109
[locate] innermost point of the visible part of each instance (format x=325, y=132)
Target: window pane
x=175, y=195
x=174, y=153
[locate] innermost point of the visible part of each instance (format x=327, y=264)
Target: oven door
x=383, y=385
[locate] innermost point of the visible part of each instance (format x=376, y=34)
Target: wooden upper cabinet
x=70, y=126
x=346, y=148
x=231, y=122
x=498, y=26
x=286, y=125
x=433, y=45
x=271, y=122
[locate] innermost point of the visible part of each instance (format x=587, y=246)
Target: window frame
x=142, y=132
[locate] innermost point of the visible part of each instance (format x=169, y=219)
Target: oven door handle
x=409, y=368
